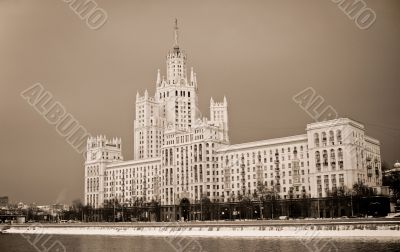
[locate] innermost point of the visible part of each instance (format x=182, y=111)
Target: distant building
x=394, y=206
x=181, y=156
x=4, y=201
x=396, y=168
x=59, y=207
x=22, y=205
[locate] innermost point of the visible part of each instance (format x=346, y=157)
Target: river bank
x=313, y=228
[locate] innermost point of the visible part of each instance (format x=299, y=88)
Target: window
x=324, y=139
x=316, y=139
x=340, y=154
x=317, y=157
x=331, y=138
x=333, y=158
x=339, y=136
x=325, y=158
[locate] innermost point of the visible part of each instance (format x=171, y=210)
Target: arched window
x=340, y=154
x=333, y=157
x=331, y=137
x=195, y=173
x=325, y=157
x=317, y=159
x=339, y=136
x=195, y=152
x=324, y=139
x=316, y=139
x=200, y=152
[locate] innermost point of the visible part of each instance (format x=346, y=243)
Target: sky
x=257, y=53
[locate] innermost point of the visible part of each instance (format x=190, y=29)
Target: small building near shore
x=4, y=201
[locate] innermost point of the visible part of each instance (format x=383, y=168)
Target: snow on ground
x=302, y=231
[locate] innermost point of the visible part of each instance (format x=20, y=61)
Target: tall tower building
x=177, y=95
x=148, y=125
x=100, y=153
x=219, y=116
x=181, y=157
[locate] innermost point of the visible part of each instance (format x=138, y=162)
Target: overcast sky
x=257, y=53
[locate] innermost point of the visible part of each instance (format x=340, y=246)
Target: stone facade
x=179, y=154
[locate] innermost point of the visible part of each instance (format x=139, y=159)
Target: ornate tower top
x=176, y=61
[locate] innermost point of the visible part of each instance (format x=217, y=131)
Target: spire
x=176, y=45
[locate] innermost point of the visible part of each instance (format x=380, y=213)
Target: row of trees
x=262, y=204
x=393, y=181
x=114, y=211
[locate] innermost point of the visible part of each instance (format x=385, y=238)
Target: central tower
x=177, y=95
x=173, y=108
x=176, y=60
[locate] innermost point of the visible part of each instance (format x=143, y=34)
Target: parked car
x=393, y=215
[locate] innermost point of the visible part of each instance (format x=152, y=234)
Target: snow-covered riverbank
x=340, y=230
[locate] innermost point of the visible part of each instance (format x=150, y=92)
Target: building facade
x=180, y=155
x=4, y=201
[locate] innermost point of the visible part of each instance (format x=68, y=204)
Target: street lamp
x=351, y=202
x=201, y=208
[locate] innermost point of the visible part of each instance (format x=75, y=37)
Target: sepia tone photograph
x=227, y=125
